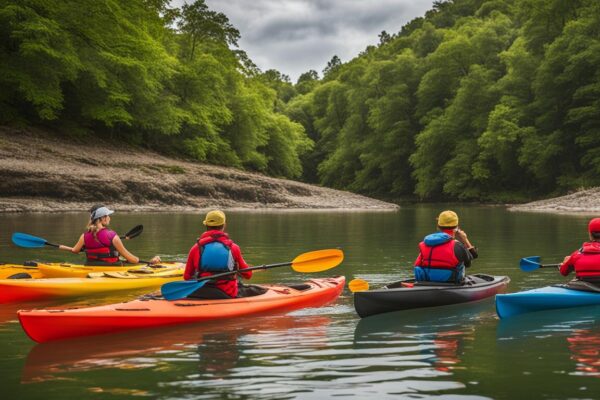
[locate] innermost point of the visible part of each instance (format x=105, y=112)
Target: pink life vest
x=100, y=248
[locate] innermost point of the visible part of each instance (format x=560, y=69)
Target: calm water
x=450, y=352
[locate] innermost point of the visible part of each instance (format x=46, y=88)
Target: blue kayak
x=547, y=298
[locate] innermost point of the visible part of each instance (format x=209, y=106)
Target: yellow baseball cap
x=447, y=219
x=214, y=218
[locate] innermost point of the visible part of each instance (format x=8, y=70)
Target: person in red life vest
x=444, y=255
x=103, y=246
x=215, y=253
x=585, y=261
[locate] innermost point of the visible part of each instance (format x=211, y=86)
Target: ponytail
x=94, y=227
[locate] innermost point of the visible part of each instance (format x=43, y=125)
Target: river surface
x=450, y=352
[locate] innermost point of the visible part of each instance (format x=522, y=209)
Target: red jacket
x=229, y=286
x=585, y=261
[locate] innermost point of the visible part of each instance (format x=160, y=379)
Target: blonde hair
x=94, y=226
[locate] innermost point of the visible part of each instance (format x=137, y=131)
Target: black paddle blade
x=134, y=232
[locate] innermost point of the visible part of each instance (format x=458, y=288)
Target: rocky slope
x=581, y=202
x=40, y=171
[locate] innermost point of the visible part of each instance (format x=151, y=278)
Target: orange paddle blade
x=358, y=285
x=317, y=261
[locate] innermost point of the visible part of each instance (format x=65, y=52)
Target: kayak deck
x=68, y=270
x=18, y=271
x=397, y=297
x=55, y=324
x=20, y=290
x=546, y=298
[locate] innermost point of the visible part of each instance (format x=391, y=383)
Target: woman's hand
x=155, y=260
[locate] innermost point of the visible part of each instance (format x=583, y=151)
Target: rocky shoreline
x=584, y=202
x=41, y=172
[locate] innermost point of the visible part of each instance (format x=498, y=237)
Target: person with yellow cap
x=444, y=255
x=215, y=253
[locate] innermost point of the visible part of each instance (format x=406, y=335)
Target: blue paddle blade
x=529, y=264
x=180, y=289
x=25, y=240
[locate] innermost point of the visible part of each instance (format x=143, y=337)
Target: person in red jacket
x=215, y=253
x=444, y=255
x=585, y=261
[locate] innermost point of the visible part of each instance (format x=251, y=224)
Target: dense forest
x=487, y=100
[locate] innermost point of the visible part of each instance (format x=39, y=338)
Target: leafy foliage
x=119, y=67
x=478, y=100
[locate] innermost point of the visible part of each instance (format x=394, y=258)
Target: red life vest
x=100, y=248
x=223, y=239
x=438, y=255
x=587, y=261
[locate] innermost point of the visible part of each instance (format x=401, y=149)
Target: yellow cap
x=447, y=219
x=214, y=218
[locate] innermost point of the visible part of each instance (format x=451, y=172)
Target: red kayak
x=56, y=324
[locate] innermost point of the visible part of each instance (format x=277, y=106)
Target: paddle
x=32, y=242
x=313, y=261
x=133, y=232
x=532, y=263
x=358, y=285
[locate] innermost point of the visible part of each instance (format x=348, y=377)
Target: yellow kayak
x=16, y=271
x=17, y=290
x=67, y=270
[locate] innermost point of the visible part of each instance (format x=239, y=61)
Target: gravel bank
x=42, y=172
x=582, y=202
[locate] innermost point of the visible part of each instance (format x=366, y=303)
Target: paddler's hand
x=155, y=260
x=461, y=236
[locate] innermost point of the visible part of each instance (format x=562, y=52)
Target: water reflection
x=569, y=338
x=217, y=348
x=584, y=344
x=426, y=344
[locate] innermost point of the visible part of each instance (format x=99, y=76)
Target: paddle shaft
x=550, y=265
x=314, y=261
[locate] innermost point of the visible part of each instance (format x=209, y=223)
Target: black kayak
x=408, y=294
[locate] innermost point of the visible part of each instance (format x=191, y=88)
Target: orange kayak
x=56, y=324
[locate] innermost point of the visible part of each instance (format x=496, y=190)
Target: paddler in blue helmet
x=444, y=255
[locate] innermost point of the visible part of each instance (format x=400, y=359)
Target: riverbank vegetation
x=484, y=100
x=479, y=100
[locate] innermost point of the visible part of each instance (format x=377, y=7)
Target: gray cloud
x=294, y=36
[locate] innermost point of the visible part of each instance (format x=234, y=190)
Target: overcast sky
x=294, y=36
